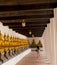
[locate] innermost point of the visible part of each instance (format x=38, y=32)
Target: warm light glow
x=32, y=35
x=30, y=32
x=23, y=23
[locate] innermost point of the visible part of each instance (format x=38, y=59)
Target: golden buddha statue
x=0, y=38
x=8, y=39
x=10, y=44
x=1, y=43
x=5, y=42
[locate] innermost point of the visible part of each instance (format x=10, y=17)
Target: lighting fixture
x=30, y=32
x=32, y=35
x=23, y=23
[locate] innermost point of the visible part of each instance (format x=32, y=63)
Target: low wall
x=17, y=58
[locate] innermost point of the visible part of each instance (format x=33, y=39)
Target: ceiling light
x=23, y=23
x=32, y=35
x=30, y=32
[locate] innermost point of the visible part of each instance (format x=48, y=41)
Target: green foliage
x=33, y=45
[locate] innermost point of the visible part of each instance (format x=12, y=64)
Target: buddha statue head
x=0, y=35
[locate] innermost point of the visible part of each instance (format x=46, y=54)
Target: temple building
x=28, y=32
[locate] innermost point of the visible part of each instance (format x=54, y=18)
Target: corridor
x=26, y=24
x=34, y=58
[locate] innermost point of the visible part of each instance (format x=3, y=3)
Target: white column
x=55, y=23
x=48, y=42
x=46, y=38
x=50, y=39
x=53, y=46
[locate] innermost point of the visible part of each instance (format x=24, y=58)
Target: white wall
x=50, y=39
x=55, y=22
x=47, y=45
x=35, y=38
x=49, y=42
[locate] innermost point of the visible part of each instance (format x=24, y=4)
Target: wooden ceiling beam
x=36, y=16
x=26, y=12
x=32, y=29
x=27, y=31
x=33, y=32
x=37, y=34
x=26, y=17
x=28, y=21
x=28, y=26
x=28, y=6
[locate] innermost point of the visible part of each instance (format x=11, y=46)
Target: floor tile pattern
x=34, y=58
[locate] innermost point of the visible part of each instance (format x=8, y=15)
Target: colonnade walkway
x=34, y=58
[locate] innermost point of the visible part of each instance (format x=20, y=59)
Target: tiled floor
x=34, y=58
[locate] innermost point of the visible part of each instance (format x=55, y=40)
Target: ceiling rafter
x=36, y=16
x=29, y=26
x=26, y=17
x=26, y=12
x=27, y=6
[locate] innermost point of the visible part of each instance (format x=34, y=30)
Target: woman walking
x=37, y=50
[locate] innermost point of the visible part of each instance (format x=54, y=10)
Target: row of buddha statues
x=11, y=46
